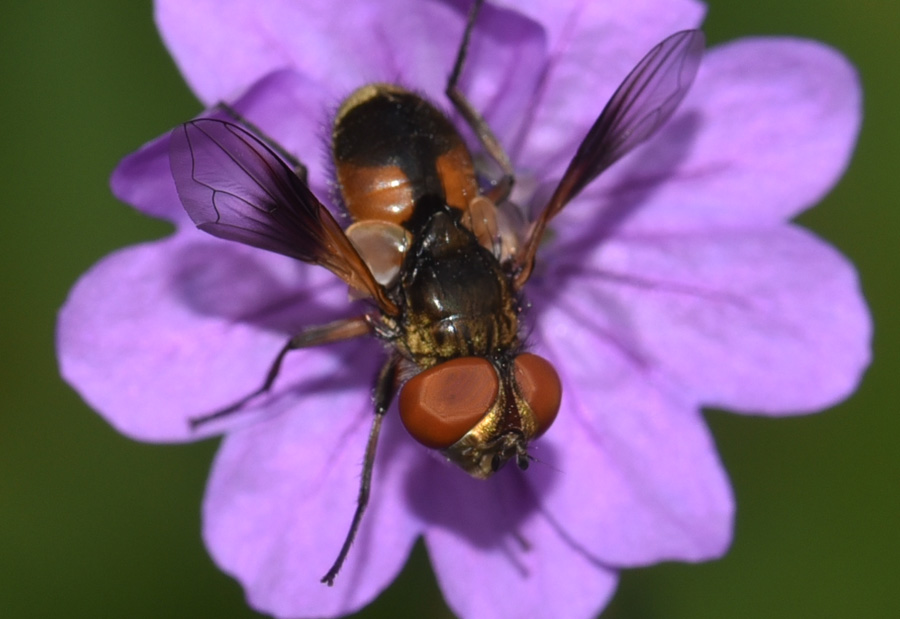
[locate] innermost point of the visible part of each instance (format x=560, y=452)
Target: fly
x=437, y=254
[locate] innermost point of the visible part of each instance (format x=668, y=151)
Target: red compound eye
x=540, y=388
x=440, y=405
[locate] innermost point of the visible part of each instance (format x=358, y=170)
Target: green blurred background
x=93, y=524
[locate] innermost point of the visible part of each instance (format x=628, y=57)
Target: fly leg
x=501, y=189
x=314, y=336
x=385, y=387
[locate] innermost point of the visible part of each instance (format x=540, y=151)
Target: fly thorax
x=458, y=301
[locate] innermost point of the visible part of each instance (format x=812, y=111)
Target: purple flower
x=674, y=281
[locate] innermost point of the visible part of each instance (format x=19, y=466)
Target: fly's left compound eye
x=440, y=405
x=540, y=387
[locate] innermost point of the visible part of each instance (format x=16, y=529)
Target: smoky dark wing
x=642, y=104
x=235, y=187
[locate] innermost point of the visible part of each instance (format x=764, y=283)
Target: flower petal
x=768, y=321
x=592, y=48
x=766, y=131
x=156, y=334
x=348, y=44
x=221, y=47
x=143, y=179
x=629, y=469
x=496, y=555
x=646, y=21
x=282, y=493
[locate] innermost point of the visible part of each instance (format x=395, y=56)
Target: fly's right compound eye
x=540, y=387
x=440, y=405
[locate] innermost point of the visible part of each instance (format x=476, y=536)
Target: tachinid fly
x=436, y=251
